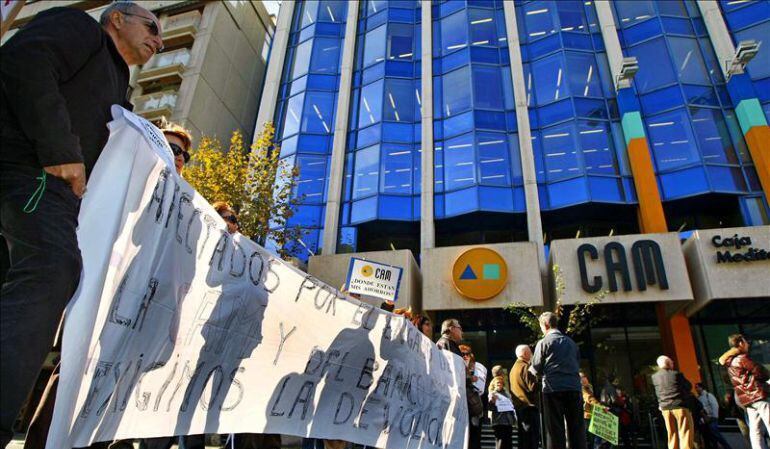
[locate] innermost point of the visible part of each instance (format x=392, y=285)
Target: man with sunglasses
x=59, y=77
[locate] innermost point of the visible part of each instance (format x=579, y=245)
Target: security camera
x=745, y=51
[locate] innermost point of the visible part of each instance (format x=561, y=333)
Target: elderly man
x=673, y=392
x=557, y=361
x=524, y=396
x=60, y=75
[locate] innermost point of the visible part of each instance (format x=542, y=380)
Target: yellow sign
x=479, y=273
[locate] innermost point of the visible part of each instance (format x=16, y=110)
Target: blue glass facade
x=581, y=162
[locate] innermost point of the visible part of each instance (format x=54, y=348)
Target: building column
x=275, y=66
x=675, y=329
x=534, y=222
x=742, y=93
x=341, y=115
x=427, y=216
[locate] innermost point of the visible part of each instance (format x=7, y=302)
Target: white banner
x=180, y=328
x=373, y=279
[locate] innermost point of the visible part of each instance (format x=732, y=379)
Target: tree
x=256, y=183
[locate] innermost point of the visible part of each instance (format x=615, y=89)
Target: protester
x=609, y=399
x=711, y=409
x=502, y=409
x=673, y=393
x=524, y=396
x=625, y=419
x=60, y=75
x=180, y=141
x=478, y=371
x=228, y=214
x=423, y=323
x=750, y=381
x=451, y=336
x=589, y=402
x=557, y=361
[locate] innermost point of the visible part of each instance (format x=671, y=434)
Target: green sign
x=604, y=424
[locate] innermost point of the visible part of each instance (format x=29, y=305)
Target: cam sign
x=373, y=279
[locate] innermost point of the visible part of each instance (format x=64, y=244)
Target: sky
x=272, y=6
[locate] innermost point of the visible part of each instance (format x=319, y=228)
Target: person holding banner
x=60, y=76
x=501, y=407
x=589, y=402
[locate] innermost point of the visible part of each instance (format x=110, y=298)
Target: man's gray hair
x=549, y=320
x=446, y=326
x=665, y=362
x=126, y=7
x=521, y=349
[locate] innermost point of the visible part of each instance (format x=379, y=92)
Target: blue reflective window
x=493, y=153
x=459, y=163
x=291, y=116
x=559, y=149
x=583, y=75
x=571, y=17
x=456, y=89
x=548, y=75
x=311, y=183
x=538, y=17
x=400, y=41
x=672, y=8
x=759, y=67
x=454, y=32
x=375, y=6
x=370, y=108
x=513, y=149
x=672, y=141
x=301, y=61
x=597, y=148
x=756, y=211
x=688, y=60
x=309, y=11
x=326, y=53
x=633, y=11
x=710, y=59
x=332, y=11
x=317, y=116
x=367, y=171
x=482, y=25
x=713, y=137
x=655, y=68
x=396, y=169
x=399, y=100
x=734, y=128
x=487, y=87
x=374, y=46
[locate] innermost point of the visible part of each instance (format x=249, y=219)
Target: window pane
x=596, y=146
x=672, y=8
x=688, y=60
x=367, y=170
x=482, y=25
x=291, y=117
x=487, y=87
x=370, y=109
x=583, y=75
x=399, y=100
x=459, y=162
x=332, y=11
x=548, y=76
x=374, y=46
x=400, y=38
x=375, y=6
x=713, y=136
x=538, y=17
x=655, y=68
x=457, y=96
x=633, y=11
x=318, y=112
x=513, y=150
x=759, y=67
x=309, y=11
x=396, y=169
x=301, y=59
x=493, y=159
x=326, y=53
x=672, y=141
x=454, y=32
x=561, y=159
x=311, y=184
x=571, y=17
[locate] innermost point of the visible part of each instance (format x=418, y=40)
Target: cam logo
x=647, y=263
x=479, y=273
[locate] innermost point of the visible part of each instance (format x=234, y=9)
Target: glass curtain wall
x=580, y=153
x=693, y=133
x=382, y=161
x=476, y=154
x=305, y=111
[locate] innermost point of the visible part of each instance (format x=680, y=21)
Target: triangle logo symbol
x=468, y=274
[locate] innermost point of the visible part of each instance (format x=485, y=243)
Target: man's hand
x=74, y=174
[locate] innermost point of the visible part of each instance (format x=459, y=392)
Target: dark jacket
x=748, y=378
x=672, y=389
x=447, y=344
x=60, y=75
x=523, y=385
x=557, y=360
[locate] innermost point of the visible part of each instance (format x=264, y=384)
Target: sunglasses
x=149, y=23
x=231, y=218
x=177, y=150
x=465, y=353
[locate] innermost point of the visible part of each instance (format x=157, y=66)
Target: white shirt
x=710, y=405
x=480, y=371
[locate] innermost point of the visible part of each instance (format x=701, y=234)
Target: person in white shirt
x=711, y=409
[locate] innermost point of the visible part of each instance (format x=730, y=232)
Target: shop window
x=318, y=113
x=374, y=46
x=367, y=171
x=370, y=107
x=596, y=147
x=539, y=19
x=301, y=61
x=454, y=32
x=487, y=87
x=672, y=141
x=493, y=155
x=559, y=151
x=655, y=68
x=713, y=136
x=400, y=40
x=459, y=162
x=326, y=54
x=632, y=12
x=571, y=16
x=456, y=90
x=583, y=75
x=688, y=60
x=396, y=169
x=399, y=100
x=482, y=26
